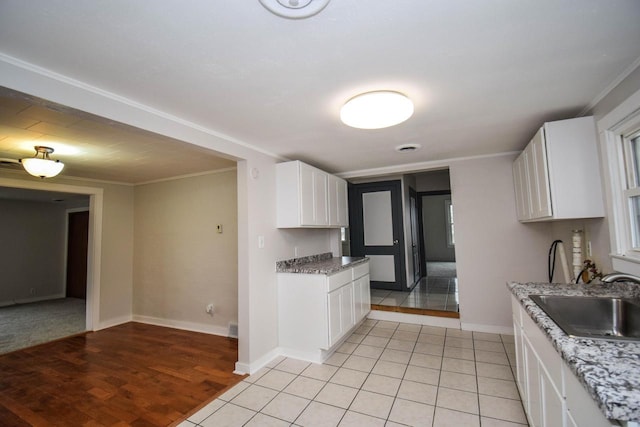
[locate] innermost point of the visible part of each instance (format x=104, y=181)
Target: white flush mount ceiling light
x=376, y=110
x=43, y=166
x=294, y=9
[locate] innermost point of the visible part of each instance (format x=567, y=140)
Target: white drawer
x=339, y=279
x=360, y=270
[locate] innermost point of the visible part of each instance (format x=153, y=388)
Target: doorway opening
x=34, y=299
x=416, y=236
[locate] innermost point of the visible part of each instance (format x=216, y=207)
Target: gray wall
x=31, y=251
x=434, y=228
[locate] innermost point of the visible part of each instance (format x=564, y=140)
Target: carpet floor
x=441, y=269
x=26, y=325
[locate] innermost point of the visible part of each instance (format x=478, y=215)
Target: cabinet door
x=338, y=202
x=520, y=362
x=541, y=194
x=522, y=193
x=335, y=322
x=552, y=402
x=533, y=403
x=347, y=308
x=313, y=196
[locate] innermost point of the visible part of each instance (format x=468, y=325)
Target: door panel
x=77, y=242
x=375, y=216
x=377, y=219
x=381, y=267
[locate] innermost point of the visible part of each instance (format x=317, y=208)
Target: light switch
x=260, y=242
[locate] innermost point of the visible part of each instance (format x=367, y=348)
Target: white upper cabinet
x=309, y=197
x=338, y=202
x=557, y=176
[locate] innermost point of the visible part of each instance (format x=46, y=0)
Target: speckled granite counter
x=318, y=264
x=609, y=370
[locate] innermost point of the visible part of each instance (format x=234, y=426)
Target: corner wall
x=492, y=247
x=181, y=262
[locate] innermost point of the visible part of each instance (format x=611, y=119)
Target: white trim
x=416, y=319
x=109, y=323
x=418, y=167
x=618, y=122
x=491, y=329
x=29, y=300
x=181, y=324
x=615, y=82
x=95, y=237
x=256, y=365
x=28, y=67
x=189, y=175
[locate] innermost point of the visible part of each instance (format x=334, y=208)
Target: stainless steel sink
x=593, y=317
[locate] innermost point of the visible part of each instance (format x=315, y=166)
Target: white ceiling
x=483, y=74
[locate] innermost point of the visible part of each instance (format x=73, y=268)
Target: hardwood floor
x=133, y=374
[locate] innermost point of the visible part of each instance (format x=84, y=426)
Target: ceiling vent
x=407, y=148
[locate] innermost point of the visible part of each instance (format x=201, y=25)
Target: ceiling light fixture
x=294, y=9
x=376, y=110
x=42, y=167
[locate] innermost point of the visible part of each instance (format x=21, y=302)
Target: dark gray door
x=375, y=217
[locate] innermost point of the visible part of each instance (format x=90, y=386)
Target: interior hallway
x=436, y=292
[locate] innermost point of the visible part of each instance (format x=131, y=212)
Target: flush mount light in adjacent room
x=43, y=166
x=294, y=9
x=376, y=110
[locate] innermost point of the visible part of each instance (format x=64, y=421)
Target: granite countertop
x=324, y=263
x=609, y=370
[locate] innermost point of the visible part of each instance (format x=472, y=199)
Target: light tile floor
x=432, y=293
x=385, y=374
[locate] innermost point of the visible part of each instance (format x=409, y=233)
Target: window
x=448, y=208
x=620, y=149
x=631, y=192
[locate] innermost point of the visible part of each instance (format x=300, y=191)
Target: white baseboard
x=416, y=319
x=180, y=324
x=253, y=367
x=31, y=299
x=109, y=323
x=492, y=329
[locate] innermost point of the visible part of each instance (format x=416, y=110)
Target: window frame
x=616, y=129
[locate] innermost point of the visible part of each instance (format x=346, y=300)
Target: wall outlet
x=209, y=309
x=32, y=291
x=219, y=228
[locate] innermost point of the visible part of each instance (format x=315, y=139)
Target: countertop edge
x=326, y=267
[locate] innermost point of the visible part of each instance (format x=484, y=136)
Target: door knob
x=395, y=242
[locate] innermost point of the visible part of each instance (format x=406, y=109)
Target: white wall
x=32, y=251
x=433, y=181
x=492, y=247
x=181, y=262
x=434, y=221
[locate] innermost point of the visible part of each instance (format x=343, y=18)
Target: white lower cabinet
x=317, y=311
x=551, y=394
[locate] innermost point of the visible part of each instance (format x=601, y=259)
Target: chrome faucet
x=618, y=277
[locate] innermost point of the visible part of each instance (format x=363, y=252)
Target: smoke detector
x=407, y=148
x=294, y=9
